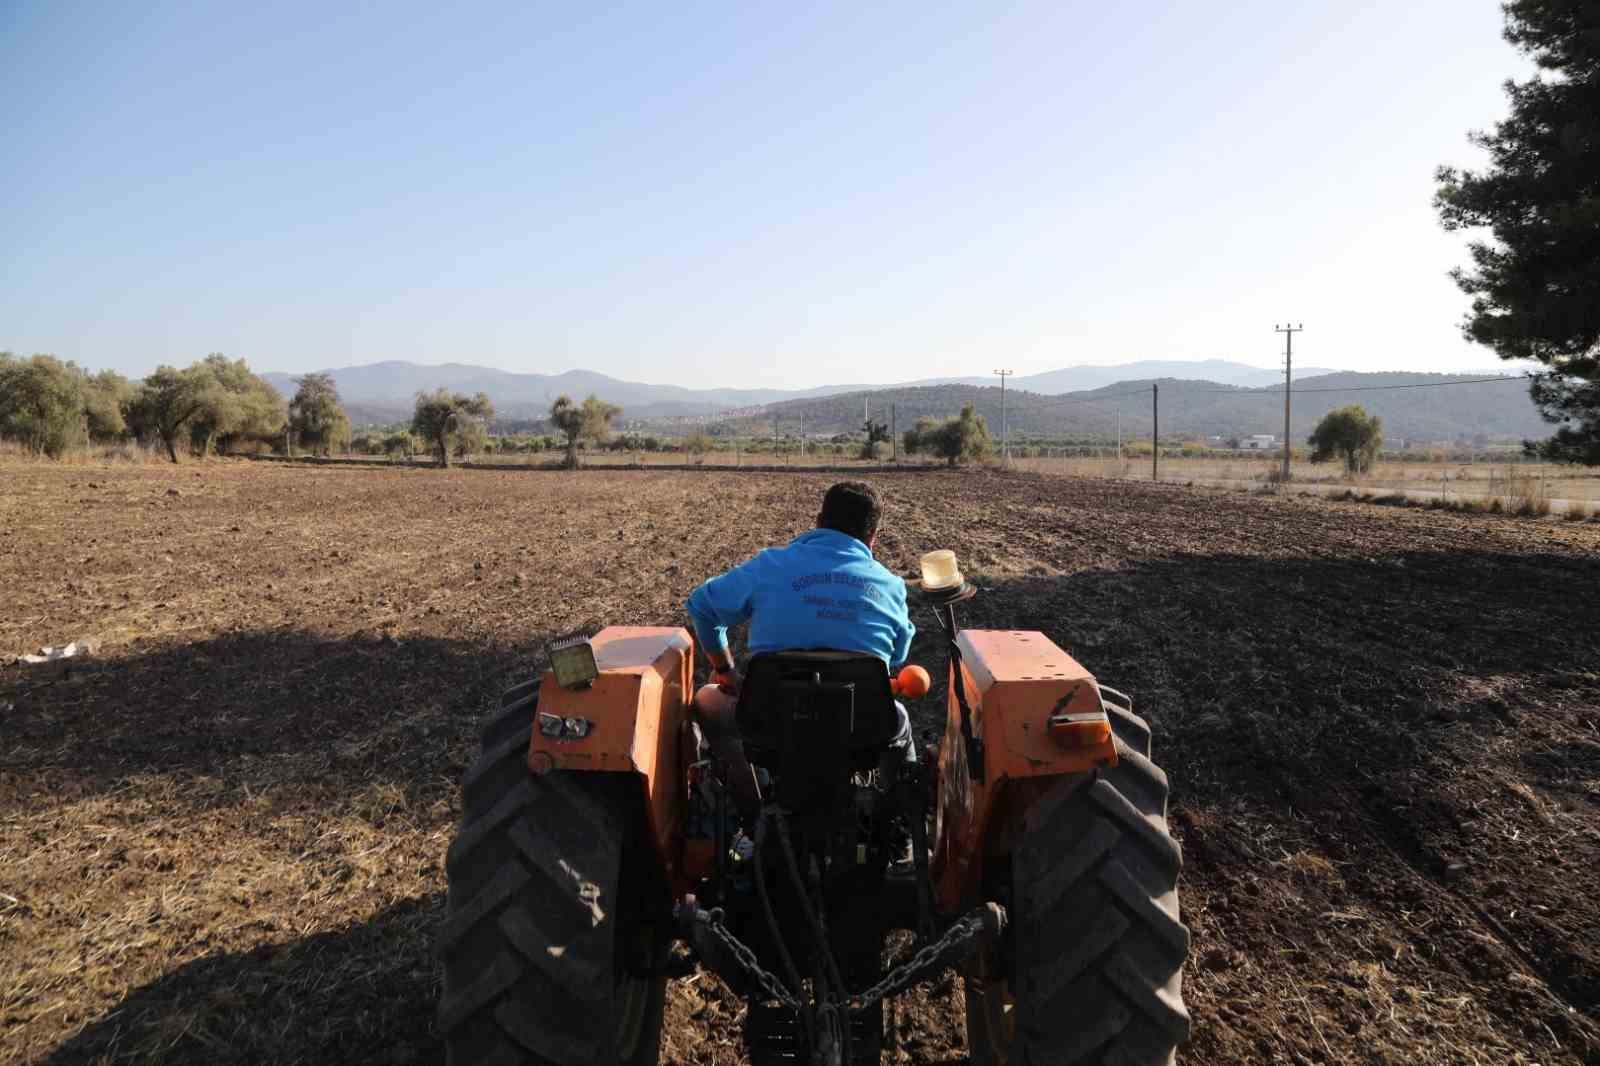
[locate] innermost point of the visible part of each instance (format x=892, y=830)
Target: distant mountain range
x=1209, y=397
x=383, y=392
x=1497, y=410
x=389, y=387
x=1080, y=378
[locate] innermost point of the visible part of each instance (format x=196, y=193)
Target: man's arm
x=723, y=601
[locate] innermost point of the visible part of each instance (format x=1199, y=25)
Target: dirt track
x=222, y=840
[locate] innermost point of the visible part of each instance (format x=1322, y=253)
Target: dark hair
x=851, y=507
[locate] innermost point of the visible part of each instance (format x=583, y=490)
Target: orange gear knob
x=912, y=682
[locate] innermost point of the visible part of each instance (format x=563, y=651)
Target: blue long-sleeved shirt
x=822, y=590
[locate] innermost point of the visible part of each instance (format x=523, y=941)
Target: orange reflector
x=912, y=682
x=1080, y=730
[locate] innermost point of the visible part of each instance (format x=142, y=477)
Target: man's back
x=822, y=590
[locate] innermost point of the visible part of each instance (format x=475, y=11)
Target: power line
x=1154, y=392
x=1272, y=391
x=1385, y=388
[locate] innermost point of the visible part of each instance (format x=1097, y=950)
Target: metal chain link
x=963, y=932
x=961, y=935
x=712, y=920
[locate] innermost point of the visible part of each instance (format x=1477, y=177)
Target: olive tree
x=239, y=404
x=168, y=401
x=41, y=403
x=106, y=396
x=590, y=420
x=446, y=419
x=1348, y=433
x=316, y=415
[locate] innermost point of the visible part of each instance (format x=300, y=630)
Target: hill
x=1199, y=408
x=1234, y=403
x=382, y=392
x=1084, y=378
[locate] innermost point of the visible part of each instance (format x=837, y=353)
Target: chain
x=963, y=935
x=712, y=921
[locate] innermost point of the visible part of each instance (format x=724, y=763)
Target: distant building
x=1259, y=442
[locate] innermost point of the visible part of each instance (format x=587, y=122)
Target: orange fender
x=1039, y=715
x=630, y=719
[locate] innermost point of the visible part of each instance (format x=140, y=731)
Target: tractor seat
x=817, y=709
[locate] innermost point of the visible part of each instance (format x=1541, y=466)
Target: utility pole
x=1119, y=434
x=1005, y=436
x=894, y=436
x=1155, y=432
x=1288, y=332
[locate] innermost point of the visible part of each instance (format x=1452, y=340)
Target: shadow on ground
x=300, y=702
x=1433, y=716
x=1268, y=675
x=363, y=994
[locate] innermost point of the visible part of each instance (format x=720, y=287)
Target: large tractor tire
x=1094, y=974
x=553, y=941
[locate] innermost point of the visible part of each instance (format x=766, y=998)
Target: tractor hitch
x=724, y=954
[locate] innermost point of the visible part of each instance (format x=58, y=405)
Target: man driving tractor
x=823, y=589
x=1031, y=848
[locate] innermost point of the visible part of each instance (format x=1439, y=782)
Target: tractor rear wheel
x=1095, y=971
x=552, y=943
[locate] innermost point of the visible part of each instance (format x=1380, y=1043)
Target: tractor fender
x=1039, y=715
x=630, y=719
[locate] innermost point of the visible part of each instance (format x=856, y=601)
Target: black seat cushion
x=820, y=701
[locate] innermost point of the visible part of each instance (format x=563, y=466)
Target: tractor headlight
x=572, y=661
x=940, y=572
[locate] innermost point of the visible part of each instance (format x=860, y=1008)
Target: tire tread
x=1100, y=946
x=528, y=942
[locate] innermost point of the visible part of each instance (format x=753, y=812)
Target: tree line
x=49, y=406
x=217, y=405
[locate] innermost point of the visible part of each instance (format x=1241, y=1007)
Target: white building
x=1259, y=442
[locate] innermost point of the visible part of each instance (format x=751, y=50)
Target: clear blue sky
x=739, y=194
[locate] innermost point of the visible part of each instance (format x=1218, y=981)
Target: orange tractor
x=612, y=837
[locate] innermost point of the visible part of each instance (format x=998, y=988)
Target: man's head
x=852, y=507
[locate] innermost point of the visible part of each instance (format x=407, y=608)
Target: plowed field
x=221, y=837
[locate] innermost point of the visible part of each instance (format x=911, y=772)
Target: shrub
x=954, y=440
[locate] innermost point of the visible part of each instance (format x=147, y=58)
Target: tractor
x=615, y=834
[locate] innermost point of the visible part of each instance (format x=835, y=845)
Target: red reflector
x=1080, y=730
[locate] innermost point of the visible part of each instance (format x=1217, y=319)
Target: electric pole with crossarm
x=1005, y=437
x=1288, y=332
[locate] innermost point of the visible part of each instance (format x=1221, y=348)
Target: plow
x=621, y=828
